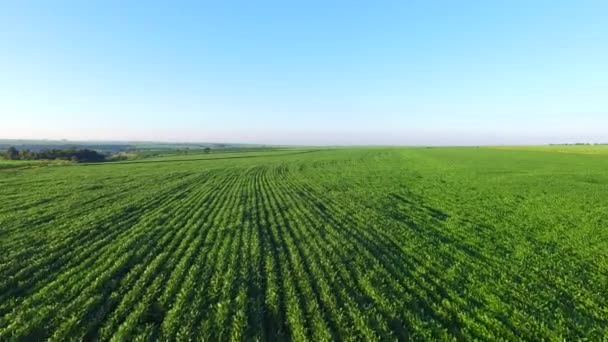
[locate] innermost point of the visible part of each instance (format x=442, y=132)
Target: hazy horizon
x=306, y=73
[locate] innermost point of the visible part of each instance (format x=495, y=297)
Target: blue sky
x=305, y=72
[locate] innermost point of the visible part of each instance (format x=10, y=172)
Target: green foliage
x=12, y=153
x=323, y=244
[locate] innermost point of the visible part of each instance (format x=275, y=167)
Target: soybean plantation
x=311, y=244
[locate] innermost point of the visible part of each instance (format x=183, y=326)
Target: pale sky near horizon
x=305, y=72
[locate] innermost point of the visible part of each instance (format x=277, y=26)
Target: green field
x=319, y=244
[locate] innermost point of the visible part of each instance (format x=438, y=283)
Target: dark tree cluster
x=76, y=155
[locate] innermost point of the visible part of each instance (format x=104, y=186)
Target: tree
x=207, y=150
x=25, y=154
x=12, y=153
x=87, y=156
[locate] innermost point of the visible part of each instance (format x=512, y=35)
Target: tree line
x=76, y=155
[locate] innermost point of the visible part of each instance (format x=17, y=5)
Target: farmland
x=308, y=244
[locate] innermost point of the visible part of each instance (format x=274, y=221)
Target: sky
x=306, y=72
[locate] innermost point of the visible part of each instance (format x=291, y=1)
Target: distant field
x=200, y=155
x=309, y=244
x=575, y=149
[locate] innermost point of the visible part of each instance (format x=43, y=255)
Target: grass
x=310, y=244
